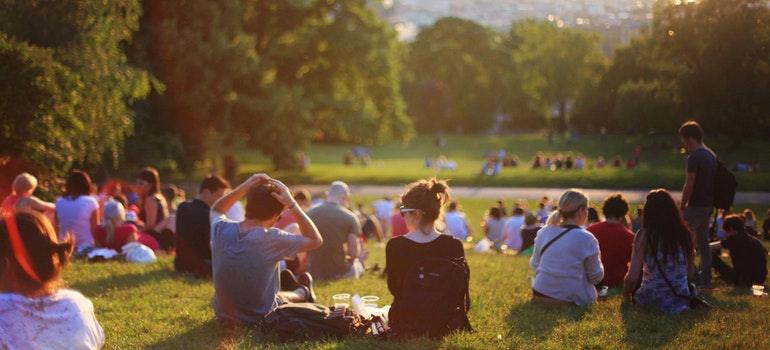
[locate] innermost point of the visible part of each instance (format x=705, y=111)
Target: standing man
x=340, y=230
x=698, y=194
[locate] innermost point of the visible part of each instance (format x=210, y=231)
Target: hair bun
x=438, y=186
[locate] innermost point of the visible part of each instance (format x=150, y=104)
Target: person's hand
x=282, y=193
x=257, y=179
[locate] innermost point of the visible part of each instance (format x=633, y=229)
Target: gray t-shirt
x=703, y=163
x=335, y=223
x=245, y=268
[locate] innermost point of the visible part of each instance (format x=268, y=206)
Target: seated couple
x=245, y=255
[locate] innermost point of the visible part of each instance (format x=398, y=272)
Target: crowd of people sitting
x=268, y=253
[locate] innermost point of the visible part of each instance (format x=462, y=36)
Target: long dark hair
x=665, y=228
x=150, y=175
x=78, y=184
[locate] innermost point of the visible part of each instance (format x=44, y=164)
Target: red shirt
x=120, y=238
x=615, y=244
x=398, y=225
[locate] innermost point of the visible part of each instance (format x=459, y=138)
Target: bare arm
x=635, y=270
x=312, y=238
x=222, y=205
x=41, y=205
x=689, y=183
x=353, y=248
x=150, y=212
x=94, y=220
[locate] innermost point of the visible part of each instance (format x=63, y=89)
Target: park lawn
x=149, y=306
x=398, y=163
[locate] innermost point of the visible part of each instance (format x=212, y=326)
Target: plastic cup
x=370, y=301
x=341, y=301
x=758, y=290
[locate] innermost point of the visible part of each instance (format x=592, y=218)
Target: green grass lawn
x=397, y=163
x=152, y=307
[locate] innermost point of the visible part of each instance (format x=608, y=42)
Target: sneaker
x=306, y=280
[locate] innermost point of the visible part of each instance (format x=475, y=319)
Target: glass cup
x=370, y=301
x=341, y=301
x=758, y=290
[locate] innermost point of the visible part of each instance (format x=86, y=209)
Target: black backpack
x=433, y=300
x=725, y=185
x=308, y=321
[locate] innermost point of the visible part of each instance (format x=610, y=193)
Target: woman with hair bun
x=427, y=272
x=35, y=312
x=566, y=257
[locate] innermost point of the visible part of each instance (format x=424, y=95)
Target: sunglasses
x=405, y=210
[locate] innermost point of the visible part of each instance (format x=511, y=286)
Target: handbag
x=696, y=301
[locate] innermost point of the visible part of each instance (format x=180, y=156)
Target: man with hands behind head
x=245, y=255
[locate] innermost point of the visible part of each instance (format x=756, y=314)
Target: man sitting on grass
x=245, y=255
x=748, y=255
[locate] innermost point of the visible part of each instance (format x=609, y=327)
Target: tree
x=453, y=77
x=722, y=50
x=555, y=66
x=73, y=54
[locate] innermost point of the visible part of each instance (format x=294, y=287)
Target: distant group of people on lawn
x=269, y=252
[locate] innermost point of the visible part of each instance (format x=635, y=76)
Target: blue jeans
x=698, y=218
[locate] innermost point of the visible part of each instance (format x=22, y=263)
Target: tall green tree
x=276, y=74
x=73, y=54
x=556, y=65
x=453, y=76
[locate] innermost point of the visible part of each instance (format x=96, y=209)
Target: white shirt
x=75, y=217
x=64, y=320
x=383, y=208
x=570, y=267
x=456, y=224
x=513, y=230
x=236, y=212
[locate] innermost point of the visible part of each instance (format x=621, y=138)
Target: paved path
x=634, y=196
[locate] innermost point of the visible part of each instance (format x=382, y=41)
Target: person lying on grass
x=245, y=255
x=566, y=258
x=35, y=312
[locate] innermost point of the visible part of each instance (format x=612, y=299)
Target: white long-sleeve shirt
x=570, y=267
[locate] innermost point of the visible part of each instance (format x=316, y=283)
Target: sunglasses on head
x=403, y=210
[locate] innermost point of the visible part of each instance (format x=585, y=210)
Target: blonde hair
x=24, y=183
x=569, y=204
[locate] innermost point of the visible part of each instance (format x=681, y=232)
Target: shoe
x=306, y=280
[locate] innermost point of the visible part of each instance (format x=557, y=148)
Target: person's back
x=397, y=225
x=35, y=313
x=566, y=258
x=615, y=240
x=512, y=229
x=427, y=272
x=563, y=273
x=74, y=216
x=654, y=290
x=456, y=224
x=63, y=320
x=335, y=223
x=193, y=250
x=749, y=259
x=615, y=244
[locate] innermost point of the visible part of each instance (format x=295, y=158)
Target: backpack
x=307, y=321
x=725, y=185
x=433, y=299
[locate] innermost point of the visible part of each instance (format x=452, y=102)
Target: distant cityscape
x=617, y=20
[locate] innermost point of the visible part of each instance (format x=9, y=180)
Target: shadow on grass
x=539, y=320
x=131, y=280
x=648, y=328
